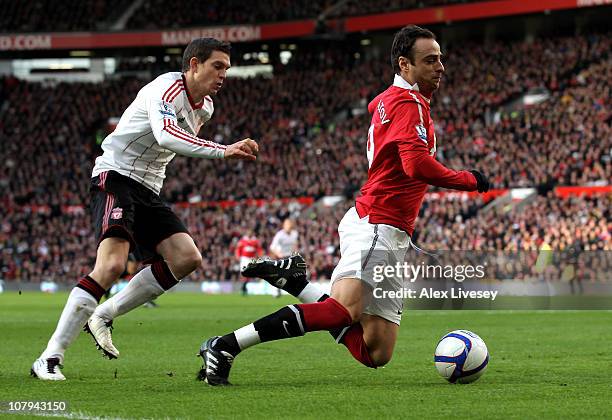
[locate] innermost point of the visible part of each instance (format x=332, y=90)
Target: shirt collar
x=193, y=104
x=400, y=82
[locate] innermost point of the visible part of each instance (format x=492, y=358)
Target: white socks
x=311, y=293
x=247, y=336
x=140, y=289
x=78, y=309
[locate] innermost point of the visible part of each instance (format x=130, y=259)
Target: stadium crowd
x=304, y=119
x=45, y=245
x=92, y=15
x=59, y=16
x=310, y=123
x=564, y=140
x=357, y=7
x=585, y=222
x=158, y=13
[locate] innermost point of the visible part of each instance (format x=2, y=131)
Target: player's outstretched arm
x=246, y=149
x=416, y=156
x=169, y=135
x=419, y=164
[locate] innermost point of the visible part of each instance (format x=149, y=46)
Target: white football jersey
x=161, y=122
x=283, y=243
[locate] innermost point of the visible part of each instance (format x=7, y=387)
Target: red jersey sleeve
x=412, y=139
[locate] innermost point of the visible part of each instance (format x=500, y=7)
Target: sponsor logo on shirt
x=421, y=132
x=117, y=213
x=166, y=110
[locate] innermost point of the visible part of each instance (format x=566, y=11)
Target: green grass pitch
x=554, y=364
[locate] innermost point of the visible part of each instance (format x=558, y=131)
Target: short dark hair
x=202, y=48
x=403, y=44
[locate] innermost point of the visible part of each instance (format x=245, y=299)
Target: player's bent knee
x=185, y=264
x=113, y=268
x=380, y=357
x=193, y=261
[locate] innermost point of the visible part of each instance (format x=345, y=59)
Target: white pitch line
x=72, y=415
x=77, y=415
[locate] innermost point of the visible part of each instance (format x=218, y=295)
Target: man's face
x=210, y=75
x=427, y=69
x=288, y=225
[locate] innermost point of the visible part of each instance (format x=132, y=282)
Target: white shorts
x=244, y=261
x=363, y=248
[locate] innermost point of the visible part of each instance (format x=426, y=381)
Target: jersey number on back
x=370, y=150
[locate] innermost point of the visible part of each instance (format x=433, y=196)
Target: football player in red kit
x=247, y=248
x=401, y=149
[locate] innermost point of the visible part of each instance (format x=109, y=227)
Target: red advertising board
x=485, y=9
x=96, y=40
x=587, y=191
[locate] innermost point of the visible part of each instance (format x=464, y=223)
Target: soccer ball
x=461, y=356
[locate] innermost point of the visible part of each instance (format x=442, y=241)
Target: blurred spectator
x=91, y=15
x=58, y=16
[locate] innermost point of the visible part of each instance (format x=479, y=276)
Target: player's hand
x=246, y=149
x=482, y=183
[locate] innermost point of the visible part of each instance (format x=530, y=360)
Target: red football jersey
x=249, y=247
x=401, y=151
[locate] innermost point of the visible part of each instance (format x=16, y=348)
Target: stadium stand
x=563, y=222
x=157, y=13
x=94, y=15
x=313, y=141
x=54, y=16
x=356, y=8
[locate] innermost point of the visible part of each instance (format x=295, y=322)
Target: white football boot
x=100, y=330
x=47, y=369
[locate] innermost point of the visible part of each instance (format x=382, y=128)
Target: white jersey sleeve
x=164, y=124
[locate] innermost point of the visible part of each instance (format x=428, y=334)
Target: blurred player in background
x=285, y=243
x=401, y=148
x=247, y=248
x=128, y=214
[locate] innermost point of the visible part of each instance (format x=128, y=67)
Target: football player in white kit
x=284, y=244
x=128, y=214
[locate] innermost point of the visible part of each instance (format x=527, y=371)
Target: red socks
x=326, y=315
x=353, y=340
x=329, y=315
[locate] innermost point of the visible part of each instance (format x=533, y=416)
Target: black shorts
x=123, y=208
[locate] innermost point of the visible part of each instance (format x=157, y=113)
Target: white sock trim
x=342, y=333
x=247, y=336
x=311, y=293
x=298, y=318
